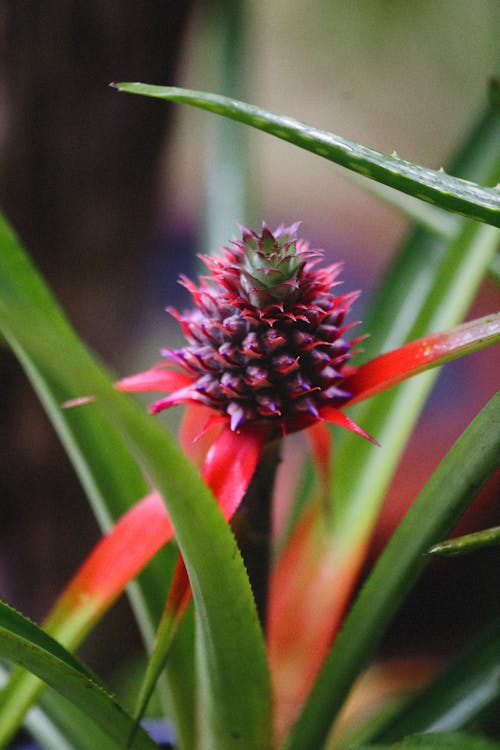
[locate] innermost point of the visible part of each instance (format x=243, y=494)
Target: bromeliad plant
x=268, y=353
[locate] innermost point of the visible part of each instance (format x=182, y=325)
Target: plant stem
x=252, y=524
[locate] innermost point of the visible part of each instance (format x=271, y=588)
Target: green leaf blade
x=461, y=545
x=443, y=190
x=25, y=644
x=428, y=287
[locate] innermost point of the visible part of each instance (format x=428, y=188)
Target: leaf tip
x=77, y=402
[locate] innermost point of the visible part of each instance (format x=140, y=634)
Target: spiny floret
x=264, y=268
x=265, y=340
x=272, y=264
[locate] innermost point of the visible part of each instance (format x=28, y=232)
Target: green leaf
x=232, y=669
x=362, y=471
x=428, y=287
x=75, y=731
x=452, y=487
x=460, y=545
x=63, y=731
x=25, y=644
x=450, y=193
x=396, y=307
x=56, y=724
x=438, y=741
x=235, y=700
x=458, y=695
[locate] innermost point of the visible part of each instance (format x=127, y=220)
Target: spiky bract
x=265, y=339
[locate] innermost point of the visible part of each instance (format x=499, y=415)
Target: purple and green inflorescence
x=266, y=344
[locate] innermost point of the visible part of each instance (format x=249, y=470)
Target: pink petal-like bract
x=230, y=464
x=157, y=378
x=197, y=431
x=417, y=356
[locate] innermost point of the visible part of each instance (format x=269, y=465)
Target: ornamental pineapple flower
x=266, y=348
x=267, y=354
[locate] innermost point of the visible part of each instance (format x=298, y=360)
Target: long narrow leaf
x=235, y=702
x=67, y=728
x=178, y=600
x=438, y=741
x=47, y=731
x=74, y=730
x=430, y=185
x=428, y=287
x=326, y=575
x=460, y=545
x=470, y=462
x=408, y=282
x=420, y=355
x=24, y=643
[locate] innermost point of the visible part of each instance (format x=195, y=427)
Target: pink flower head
x=265, y=341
